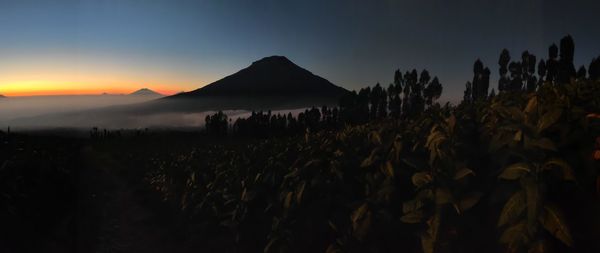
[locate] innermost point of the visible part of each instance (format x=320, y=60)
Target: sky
x=52, y=47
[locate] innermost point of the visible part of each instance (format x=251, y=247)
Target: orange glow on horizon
x=43, y=78
x=92, y=91
x=45, y=88
x=80, y=92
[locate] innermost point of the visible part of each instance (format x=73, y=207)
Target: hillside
x=270, y=76
x=271, y=83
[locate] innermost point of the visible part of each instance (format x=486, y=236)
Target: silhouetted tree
x=382, y=105
x=503, y=81
x=363, y=105
x=375, y=100
x=216, y=124
x=552, y=64
x=417, y=102
x=516, y=76
x=409, y=79
x=594, y=69
x=541, y=71
x=468, y=94
x=433, y=91
x=566, y=69
x=349, y=107
x=395, y=102
x=481, y=81
x=493, y=93
x=581, y=73
x=528, y=70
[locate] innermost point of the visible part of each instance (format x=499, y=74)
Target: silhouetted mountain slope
x=272, y=83
x=270, y=76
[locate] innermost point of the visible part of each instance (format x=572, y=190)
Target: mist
x=20, y=107
x=46, y=111
x=102, y=111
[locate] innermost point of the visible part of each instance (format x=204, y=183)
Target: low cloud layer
x=85, y=112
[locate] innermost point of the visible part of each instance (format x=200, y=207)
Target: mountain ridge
x=271, y=83
x=270, y=76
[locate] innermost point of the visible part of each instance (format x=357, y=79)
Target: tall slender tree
x=594, y=69
x=552, y=64
x=566, y=68
x=433, y=91
x=503, y=81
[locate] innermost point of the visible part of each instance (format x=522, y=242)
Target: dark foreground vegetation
x=388, y=170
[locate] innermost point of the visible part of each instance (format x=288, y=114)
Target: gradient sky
x=84, y=46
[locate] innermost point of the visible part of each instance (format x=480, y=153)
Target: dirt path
x=116, y=215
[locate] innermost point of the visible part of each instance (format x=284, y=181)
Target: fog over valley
x=103, y=111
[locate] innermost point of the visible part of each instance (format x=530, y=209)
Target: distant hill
x=145, y=92
x=268, y=77
x=2, y=96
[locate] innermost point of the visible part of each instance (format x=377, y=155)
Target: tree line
x=413, y=92
x=520, y=74
x=409, y=95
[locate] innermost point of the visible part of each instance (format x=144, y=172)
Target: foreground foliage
x=513, y=173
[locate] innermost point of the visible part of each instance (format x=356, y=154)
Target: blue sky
x=182, y=45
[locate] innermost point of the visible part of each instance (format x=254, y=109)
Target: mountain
x=145, y=92
x=272, y=83
x=271, y=76
x=2, y=96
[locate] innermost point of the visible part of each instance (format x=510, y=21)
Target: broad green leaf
x=360, y=212
x=463, y=173
x=553, y=221
x=361, y=221
x=513, y=232
x=512, y=209
x=370, y=160
x=539, y=247
x=425, y=195
x=420, y=179
x=269, y=245
x=548, y=119
x=514, y=236
x=543, y=143
x=498, y=141
x=375, y=138
x=388, y=169
x=469, y=200
x=429, y=239
x=300, y=192
x=288, y=200
x=566, y=169
x=532, y=195
x=531, y=104
x=397, y=148
x=411, y=205
x=515, y=171
x=451, y=121
x=332, y=226
x=333, y=248
x=518, y=136
x=433, y=138
x=516, y=113
x=427, y=243
x=413, y=217
x=443, y=196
